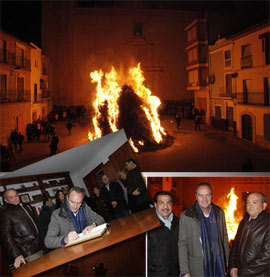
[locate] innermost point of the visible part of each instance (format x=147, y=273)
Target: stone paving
x=208, y=150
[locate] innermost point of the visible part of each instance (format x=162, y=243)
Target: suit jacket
x=61, y=224
x=163, y=250
x=189, y=245
x=19, y=233
x=250, y=251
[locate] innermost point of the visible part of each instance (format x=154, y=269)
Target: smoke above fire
x=126, y=103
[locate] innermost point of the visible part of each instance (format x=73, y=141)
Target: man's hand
x=71, y=236
x=234, y=272
x=18, y=261
x=89, y=228
x=187, y=275
x=136, y=192
x=114, y=204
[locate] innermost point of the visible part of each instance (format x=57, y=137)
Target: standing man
x=178, y=120
x=162, y=242
x=54, y=145
x=203, y=240
x=114, y=196
x=250, y=253
x=19, y=232
x=73, y=217
x=136, y=187
x=69, y=127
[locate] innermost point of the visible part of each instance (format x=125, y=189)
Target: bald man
x=19, y=232
x=250, y=253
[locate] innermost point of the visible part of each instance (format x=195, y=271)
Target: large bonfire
x=127, y=103
x=232, y=221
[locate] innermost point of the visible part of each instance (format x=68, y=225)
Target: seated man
x=72, y=218
x=19, y=232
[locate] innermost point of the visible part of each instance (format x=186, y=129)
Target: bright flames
x=232, y=222
x=108, y=92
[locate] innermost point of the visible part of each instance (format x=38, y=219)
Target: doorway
x=247, y=131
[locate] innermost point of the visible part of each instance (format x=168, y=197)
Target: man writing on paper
x=72, y=218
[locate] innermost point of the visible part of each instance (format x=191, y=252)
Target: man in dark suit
x=163, y=241
x=114, y=196
x=19, y=232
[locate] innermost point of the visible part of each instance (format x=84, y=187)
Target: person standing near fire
x=203, y=240
x=250, y=253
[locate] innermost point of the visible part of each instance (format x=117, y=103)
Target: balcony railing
x=11, y=96
x=251, y=98
x=246, y=62
x=46, y=93
x=22, y=62
x=7, y=57
x=10, y=58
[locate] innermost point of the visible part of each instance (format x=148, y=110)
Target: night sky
x=23, y=18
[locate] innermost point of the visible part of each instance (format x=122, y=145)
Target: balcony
x=22, y=62
x=246, y=62
x=46, y=93
x=12, y=96
x=10, y=58
x=7, y=57
x=251, y=98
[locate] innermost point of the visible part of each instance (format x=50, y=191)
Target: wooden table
x=120, y=251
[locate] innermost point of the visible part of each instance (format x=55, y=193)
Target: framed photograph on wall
x=25, y=198
x=38, y=197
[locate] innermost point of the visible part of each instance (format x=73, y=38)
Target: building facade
x=21, y=99
x=80, y=37
x=197, y=65
x=240, y=87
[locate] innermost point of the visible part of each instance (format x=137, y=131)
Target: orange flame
x=231, y=221
x=109, y=91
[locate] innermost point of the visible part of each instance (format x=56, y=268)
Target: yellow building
x=21, y=97
x=240, y=84
x=197, y=65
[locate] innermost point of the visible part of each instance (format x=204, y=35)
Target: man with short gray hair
x=73, y=217
x=203, y=239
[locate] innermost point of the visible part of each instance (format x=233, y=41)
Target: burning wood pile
x=233, y=215
x=130, y=105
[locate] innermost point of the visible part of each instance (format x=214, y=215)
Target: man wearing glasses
x=203, y=241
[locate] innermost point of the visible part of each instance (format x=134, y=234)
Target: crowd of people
x=69, y=113
x=197, y=244
x=27, y=236
x=40, y=131
x=194, y=245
